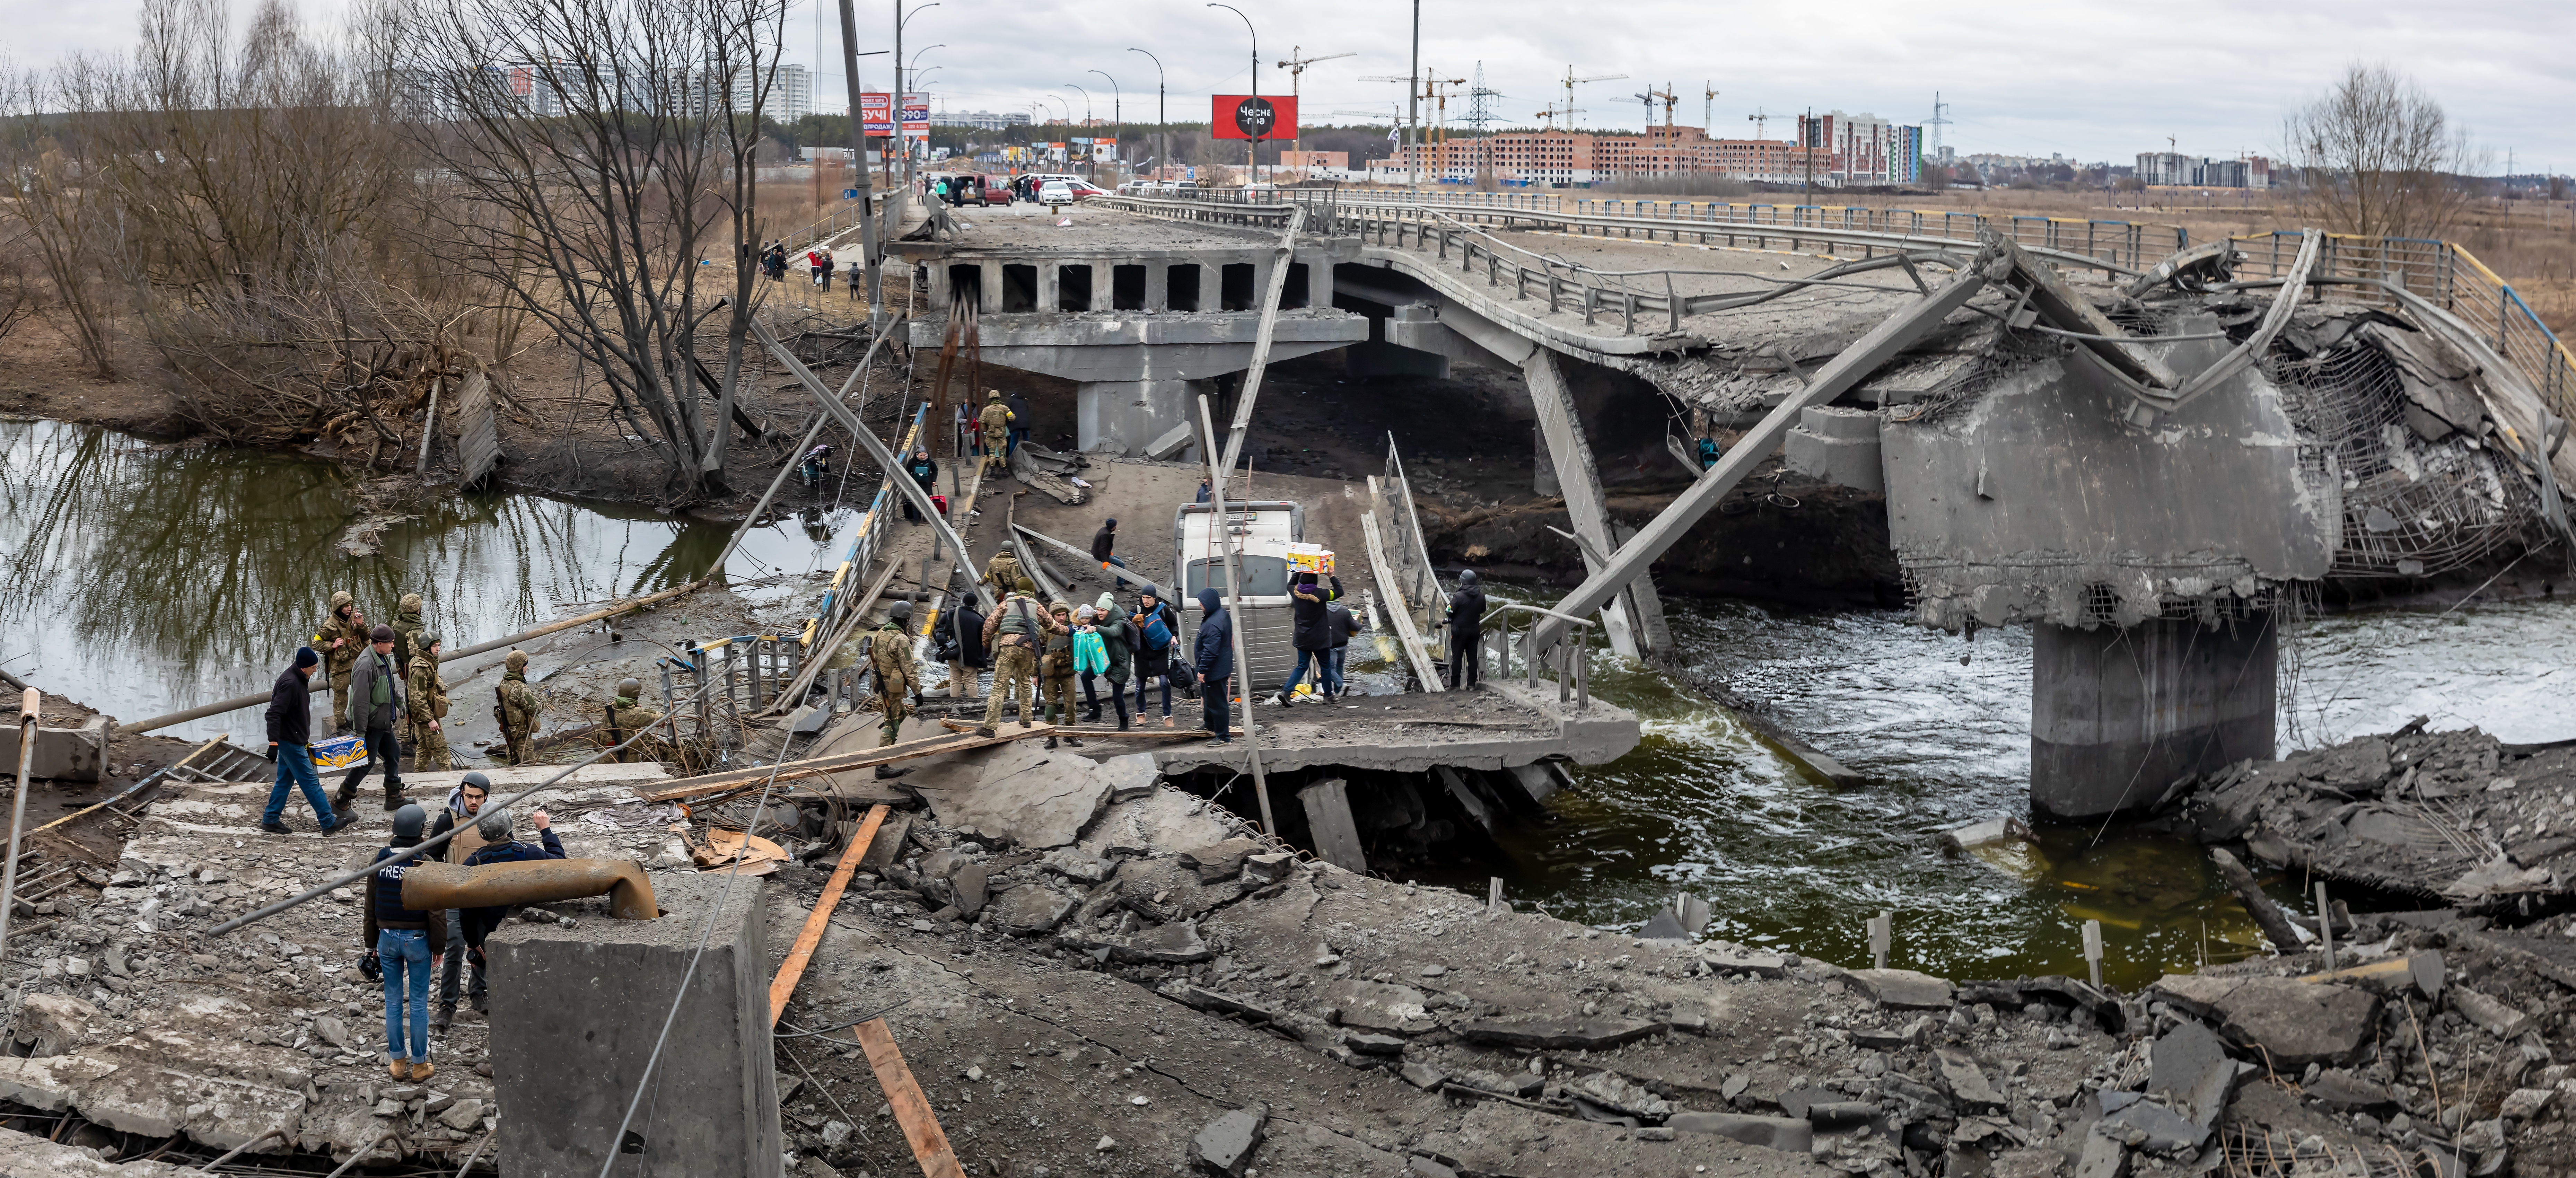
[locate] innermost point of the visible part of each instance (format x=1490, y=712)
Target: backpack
x=1157, y=635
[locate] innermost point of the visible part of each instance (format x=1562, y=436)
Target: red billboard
x=1244, y=116
x=877, y=111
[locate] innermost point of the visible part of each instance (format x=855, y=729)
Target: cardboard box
x=1310, y=558
x=339, y=752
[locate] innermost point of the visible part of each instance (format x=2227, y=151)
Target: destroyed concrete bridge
x=2143, y=448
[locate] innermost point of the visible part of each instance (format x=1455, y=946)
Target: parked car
x=1055, y=194
x=1085, y=190
x=989, y=190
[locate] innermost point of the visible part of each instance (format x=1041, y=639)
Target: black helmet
x=901, y=613
x=410, y=821
x=1467, y=578
x=478, y=781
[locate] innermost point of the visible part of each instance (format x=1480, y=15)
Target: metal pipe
x=30, y=706
x=480, y=1146
x=244, y=1148
x=433, y=886
x=395, y=1136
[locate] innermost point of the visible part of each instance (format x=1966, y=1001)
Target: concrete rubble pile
x=1163, y=988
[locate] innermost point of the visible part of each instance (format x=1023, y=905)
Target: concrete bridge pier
x=1129, y=415
x=2117, y=714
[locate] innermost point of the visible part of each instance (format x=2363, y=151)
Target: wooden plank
x=1110, y=733
x=911, y=1109
x=792, y=969
x=1403, y=619
x=1328, y=815
x=478, y=439
x=716, y=783
x=137, y=787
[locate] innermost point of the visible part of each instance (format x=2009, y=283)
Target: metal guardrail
x=2131, y=244
x=2443, y=274
x=827, y=226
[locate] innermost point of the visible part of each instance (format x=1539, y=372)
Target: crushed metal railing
x=865, y=548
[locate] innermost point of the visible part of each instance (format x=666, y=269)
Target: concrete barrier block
x=76, y=753
x=1847, y=462
x=581, y=1011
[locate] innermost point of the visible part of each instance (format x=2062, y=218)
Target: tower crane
x=1296, y=66
x=1708, y=106
x=1761, y=123
x=1571, y=82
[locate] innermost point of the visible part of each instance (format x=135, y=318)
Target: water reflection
x=144, y=578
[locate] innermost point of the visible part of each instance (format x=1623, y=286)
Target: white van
x=1262, y=533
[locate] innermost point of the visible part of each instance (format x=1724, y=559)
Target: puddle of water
x=152, y=578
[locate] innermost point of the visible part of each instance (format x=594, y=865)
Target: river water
x=149, y=578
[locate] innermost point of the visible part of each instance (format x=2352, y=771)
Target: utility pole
x=1118, y=120
x=1412, y=104
x=1937, y=121
x=1296, y=67
x=1252, y=150
x=871, y=252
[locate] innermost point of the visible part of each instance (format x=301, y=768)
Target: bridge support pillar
x=1561, y=435
x=1125, y=416
x=2116, y=715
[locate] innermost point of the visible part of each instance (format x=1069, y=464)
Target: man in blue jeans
x=404, y=940
x=290, y=735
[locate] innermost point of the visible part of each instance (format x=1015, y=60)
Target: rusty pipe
x=429, y=886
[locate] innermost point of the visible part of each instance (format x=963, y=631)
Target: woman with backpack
x=1156, y=624
x=1117, y=643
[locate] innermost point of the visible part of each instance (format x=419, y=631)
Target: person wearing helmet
x=1466, y=629
x=342, y=635
x=515, y=705
x=996, y=423
x=628, y=718
x=464, y=804
x=1016, y=633
x=1002, y=572
x=407, y=627
x=404, y=940
x=898, y=677
x=428, y=707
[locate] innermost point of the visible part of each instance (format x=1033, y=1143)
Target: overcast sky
x=2092, y=79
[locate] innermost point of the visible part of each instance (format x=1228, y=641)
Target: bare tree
x=2377, y=157
x=64, y=225
x=601, y=155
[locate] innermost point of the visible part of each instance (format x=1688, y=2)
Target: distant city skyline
x=2091, y=80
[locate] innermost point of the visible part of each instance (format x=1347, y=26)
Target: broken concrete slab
x=2193, y=1074
x=2499, y=1017
x=1966, y=1080
x=966, y=889
x=1030, y=909
x=2102, y=1157
x=1225, y=1146
x=1177, y=943
x=1268, y=868
x=2345, y=1092
x=1902, y=989
x=1558, y=1032
x=1130, y=777
x=1219, y=860
x=1162, y=820
x=2164, y=1131
x=2296, y=1024
x=1378, y=1006
x=1013, y=793
x=23, y=1153
x=2524, y=1104
x=1328, y=816
x=1618, y=1094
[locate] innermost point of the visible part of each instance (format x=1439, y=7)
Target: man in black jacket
x=464, y=805
x=1212, y=663
x=1314, y=635
x=1104, y=544
x=1466, y=630
x=290, y=733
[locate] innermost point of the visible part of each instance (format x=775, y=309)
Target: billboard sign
x=916, y=116
x=1243, y=116
x=877, y=111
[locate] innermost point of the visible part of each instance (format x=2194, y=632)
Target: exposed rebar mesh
x=2007, y=353
x=2411, y=508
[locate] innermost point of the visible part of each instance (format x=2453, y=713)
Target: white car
x=1055, y=194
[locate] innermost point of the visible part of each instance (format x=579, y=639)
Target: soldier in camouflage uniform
x=406, y=626
x=898, y=678
x=996, y=420
x=342, y=638
x=1015, y=633
x=428, y=708
x=517, y=709
x=1055, y=669
x=628, y=716
x=1002, y=572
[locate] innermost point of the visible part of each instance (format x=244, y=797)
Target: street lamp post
x=1162, y=129
x=1089, y=162
x=902, y=18
x=1255, y=150
x=1117, y=118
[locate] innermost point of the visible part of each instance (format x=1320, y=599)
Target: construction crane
x=1296, y=67
x=1708, y=106
x=1547, y=114
x=1416, y=165
x=1571, y=82
x=1761, y=123
x=1432, y=92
